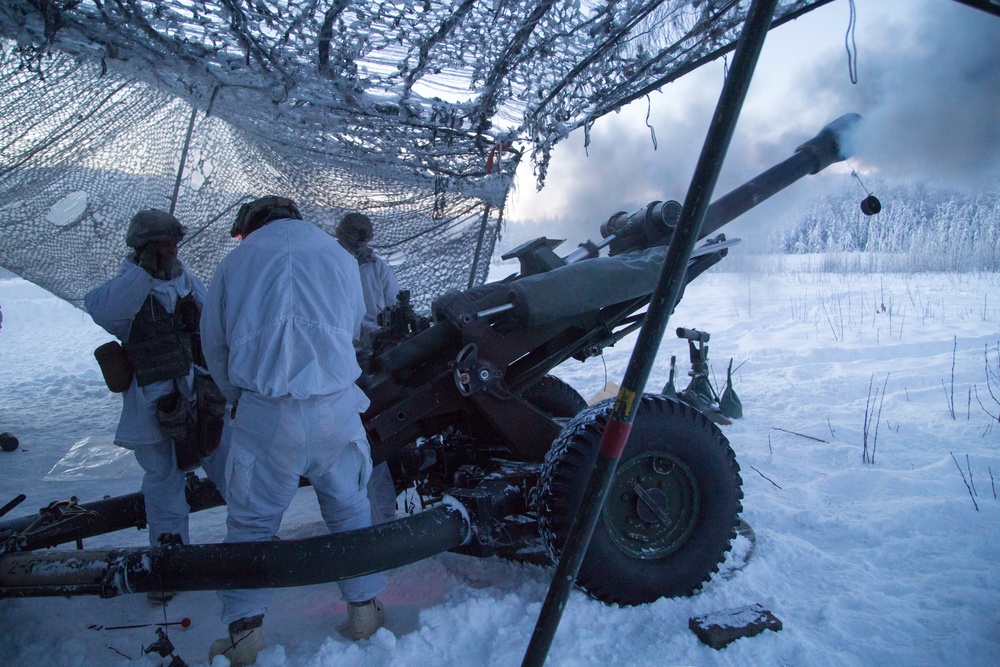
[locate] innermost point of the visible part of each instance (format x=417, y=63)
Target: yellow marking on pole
x=626, y=397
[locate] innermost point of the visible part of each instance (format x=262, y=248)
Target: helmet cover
x=355, y=229
x=254, y=215
x=150, y=225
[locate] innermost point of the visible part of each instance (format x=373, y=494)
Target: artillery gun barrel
x=581, y=287
x=827, y=147
x=584, y=286
x=813, y=156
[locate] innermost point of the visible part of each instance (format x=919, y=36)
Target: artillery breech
x=271, y=564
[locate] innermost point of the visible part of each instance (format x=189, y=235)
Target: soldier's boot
x=364, y=618
x=245, y=641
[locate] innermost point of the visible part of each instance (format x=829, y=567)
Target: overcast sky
x=928, y=86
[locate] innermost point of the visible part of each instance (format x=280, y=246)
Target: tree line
x=928, y=228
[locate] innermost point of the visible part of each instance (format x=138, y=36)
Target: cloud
x=929, y=88
x=930, y=94
x=620, y=170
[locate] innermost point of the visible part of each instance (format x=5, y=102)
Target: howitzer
x=465, y=410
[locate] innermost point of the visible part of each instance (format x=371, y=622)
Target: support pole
x=662, y=303
x=184, y=154
x=479, y=247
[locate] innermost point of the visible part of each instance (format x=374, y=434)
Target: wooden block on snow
x=719, y=628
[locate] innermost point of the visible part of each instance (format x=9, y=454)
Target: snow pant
x=274, y=443
x=163, y=486
x=382, y=494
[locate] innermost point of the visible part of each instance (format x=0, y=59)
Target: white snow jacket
x=379, y=285
x=281, y=316
x=113, y=306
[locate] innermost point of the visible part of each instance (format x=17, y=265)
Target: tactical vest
x=159, y=343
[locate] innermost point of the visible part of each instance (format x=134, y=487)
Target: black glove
x=148, y=259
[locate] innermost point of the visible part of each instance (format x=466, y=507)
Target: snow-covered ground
x=883, y=563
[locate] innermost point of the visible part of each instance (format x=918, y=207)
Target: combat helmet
x=354, y=229
x=254, y=215
x=150, y=225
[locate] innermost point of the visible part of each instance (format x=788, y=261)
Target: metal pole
x=662, y=303
x=180, y=167
x=479, y=247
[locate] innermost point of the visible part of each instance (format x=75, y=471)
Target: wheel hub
x=652, y=505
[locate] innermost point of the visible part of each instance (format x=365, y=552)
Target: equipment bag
x=211, y=412
x=115, y=366
x=178, y=420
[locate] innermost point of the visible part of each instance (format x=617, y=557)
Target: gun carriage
x=465, y=409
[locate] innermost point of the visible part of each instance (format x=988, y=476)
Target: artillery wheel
x=556, y=399
x=671, y=511
x=561, y=402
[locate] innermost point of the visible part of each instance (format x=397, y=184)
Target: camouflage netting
x=98, y=149
x=415, y=112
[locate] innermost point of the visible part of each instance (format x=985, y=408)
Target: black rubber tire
x=555, y=398
x=691, y=460
x=561, y=402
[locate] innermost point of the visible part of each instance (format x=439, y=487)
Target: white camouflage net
x=415, y=112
